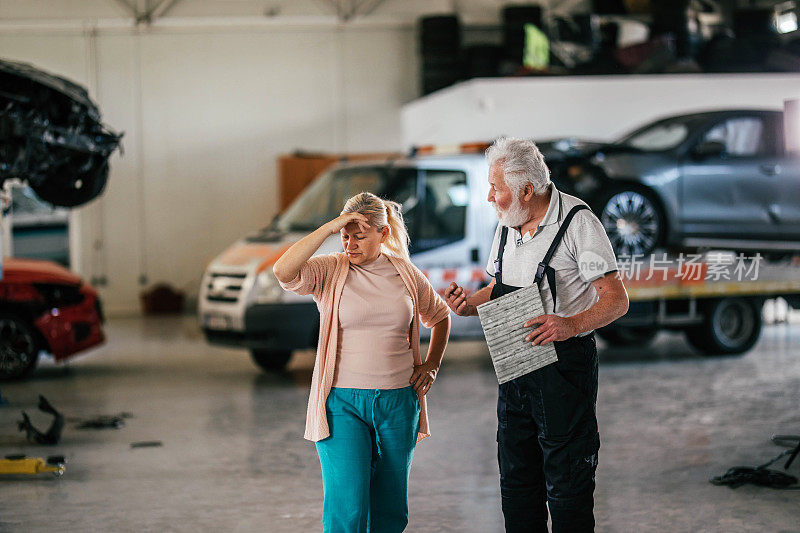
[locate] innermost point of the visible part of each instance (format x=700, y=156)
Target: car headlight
x=583, y=179
x=266, y=288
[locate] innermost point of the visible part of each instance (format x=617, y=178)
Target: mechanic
x=547, y=434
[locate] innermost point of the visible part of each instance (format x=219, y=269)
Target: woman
x=366, y=410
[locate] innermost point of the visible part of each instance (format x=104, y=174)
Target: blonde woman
x=366, y=410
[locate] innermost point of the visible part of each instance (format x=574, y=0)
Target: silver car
x=712, y=179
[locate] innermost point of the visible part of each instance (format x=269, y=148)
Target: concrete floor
x=233, y=458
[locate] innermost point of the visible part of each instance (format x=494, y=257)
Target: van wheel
x=730, y=326
x=19, y=350
x=628, y=335
x=271, y=360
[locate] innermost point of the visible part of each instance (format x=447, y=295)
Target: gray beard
x=514, y=217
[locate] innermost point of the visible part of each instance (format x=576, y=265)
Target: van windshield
x=324, y=199
x=434, y=202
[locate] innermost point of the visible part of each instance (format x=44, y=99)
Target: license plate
x=217, y=322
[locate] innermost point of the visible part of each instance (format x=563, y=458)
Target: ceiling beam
x=160, y=10
x=349, y=9
x=129, y=7
x=150, y=13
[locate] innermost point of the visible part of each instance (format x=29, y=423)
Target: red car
x=44, y=306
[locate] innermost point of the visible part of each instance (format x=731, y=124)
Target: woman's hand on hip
x=336, y=225
x=423, y=377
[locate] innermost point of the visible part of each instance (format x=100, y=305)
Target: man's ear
x=527, y=192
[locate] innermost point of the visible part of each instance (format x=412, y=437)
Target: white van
x=450, y=223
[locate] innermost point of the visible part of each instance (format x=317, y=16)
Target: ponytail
x=397, y=242
x=382, y=214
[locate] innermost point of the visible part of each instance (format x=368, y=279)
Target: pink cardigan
x=323, y=277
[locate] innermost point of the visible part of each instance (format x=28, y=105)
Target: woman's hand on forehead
x=342, y=221
x=363, y=226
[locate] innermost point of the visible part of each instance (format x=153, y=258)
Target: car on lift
x=710, y=179
x=44, y=307
x=51, y=136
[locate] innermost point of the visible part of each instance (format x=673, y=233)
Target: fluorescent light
x=787, y=22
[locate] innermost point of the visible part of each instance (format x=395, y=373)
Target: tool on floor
x=761, y=475
x=147, y=444
x=788, y=440
x=53, y=434
x=105, y=421
x=23, y=465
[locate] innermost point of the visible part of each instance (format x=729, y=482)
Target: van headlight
x=266, y=288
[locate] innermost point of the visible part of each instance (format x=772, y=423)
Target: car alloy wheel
x=632, y=222
x=18, y=350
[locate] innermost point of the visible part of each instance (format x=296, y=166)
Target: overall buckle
x=540, y=272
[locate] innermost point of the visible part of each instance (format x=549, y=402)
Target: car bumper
x=272, y=327
x=70, y=330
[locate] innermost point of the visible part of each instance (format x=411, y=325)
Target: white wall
x=206, y=110
x=594, y=107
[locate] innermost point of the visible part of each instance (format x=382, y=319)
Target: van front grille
x=224, y=286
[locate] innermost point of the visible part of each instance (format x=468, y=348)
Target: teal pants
x=367, y=458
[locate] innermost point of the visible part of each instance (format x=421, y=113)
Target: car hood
x=571, y=147
x=71, y=90
x=35, y=271
x=248, y=255
x=258, y=254
x=562, y=148
x=616, y=160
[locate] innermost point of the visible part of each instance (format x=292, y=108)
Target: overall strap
x=498, y=263
x=544, y=267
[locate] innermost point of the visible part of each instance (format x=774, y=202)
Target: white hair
x=522, y=163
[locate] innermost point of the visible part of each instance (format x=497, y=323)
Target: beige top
x=323, y=277
x=375, y=313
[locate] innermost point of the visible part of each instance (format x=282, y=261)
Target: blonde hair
x=382, y=214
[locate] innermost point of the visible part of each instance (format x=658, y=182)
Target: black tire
x=442, y=63
x=439, y=25
x=434, y=82
x=482, y=61
x=730, y=326
x=514, y=20
x=633, y=220
x=628, y=335
x=19, y=348
x=440, y=33
x=271, y=360
x=520, y=15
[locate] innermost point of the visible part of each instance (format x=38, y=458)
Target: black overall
x=547, y=438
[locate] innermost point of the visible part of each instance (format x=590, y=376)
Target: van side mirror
x=708, y=149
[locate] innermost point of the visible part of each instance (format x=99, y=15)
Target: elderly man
x=547, y=434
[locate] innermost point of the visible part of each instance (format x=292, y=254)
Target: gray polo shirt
x=584, y=255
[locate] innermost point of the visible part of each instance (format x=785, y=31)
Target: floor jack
x=21, y=464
